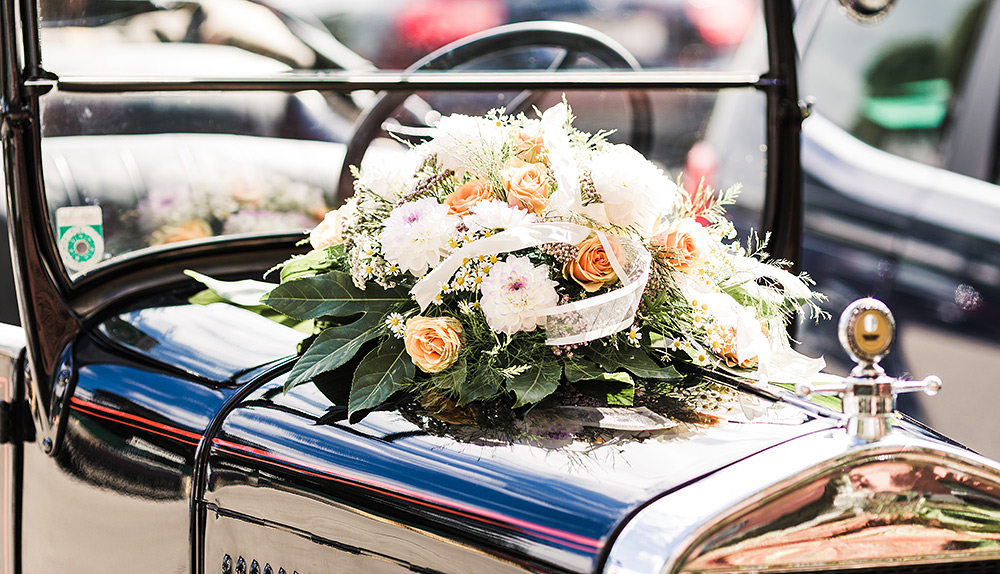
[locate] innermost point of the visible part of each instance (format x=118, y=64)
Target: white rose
x=634, y=192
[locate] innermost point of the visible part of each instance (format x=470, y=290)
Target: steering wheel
x=575, y=41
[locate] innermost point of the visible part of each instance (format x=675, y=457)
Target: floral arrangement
x=510, y=261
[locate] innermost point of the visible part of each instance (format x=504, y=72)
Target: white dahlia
x=514, y=292
x=417, y=235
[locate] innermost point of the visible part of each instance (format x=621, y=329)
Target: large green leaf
x=451, y=377
x=536, y=383
x=582, y=370
x=330, y=294
x=477, y=387
x=334, y=347
x=616, y=389
x=310, y=264
x=380, y=374
x=207, y=297
x=634, y=360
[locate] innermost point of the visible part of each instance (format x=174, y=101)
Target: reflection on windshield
x=165, y=167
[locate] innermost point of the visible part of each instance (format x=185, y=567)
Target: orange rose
x=329, y=231
x=193, y=229
x=683, y=245
x=527, y=185
x=467, y=195
x=433, y=342
x=528, y=148
x=591, y=268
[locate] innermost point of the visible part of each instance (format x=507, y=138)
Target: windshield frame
x=53, y=307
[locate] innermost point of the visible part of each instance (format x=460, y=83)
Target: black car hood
x=293, y=460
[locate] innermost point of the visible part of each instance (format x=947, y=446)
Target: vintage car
x=148, y=424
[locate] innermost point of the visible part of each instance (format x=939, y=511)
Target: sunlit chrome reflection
x=911, y=507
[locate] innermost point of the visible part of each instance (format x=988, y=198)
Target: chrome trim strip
x=417, y=81
x=905, y=489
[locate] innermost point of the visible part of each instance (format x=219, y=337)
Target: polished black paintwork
x=151, y=399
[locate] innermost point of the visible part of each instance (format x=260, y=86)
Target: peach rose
x=527, y=185
x=528, y=147
x=193, y=229
x=683, y=246
x=433, y=342
x=467, y=195
x=329, y=231
x=591, y=268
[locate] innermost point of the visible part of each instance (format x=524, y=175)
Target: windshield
x=131, y=169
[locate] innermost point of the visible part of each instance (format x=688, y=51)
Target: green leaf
x=451, y=377
x=245, y=293
x=536, y=383
x=331, y=294
x=334, y=347
x=307, y=265
x=582, y=370
x=617, y=389
x=634, y=360
x=475, y=388
x=380, y=374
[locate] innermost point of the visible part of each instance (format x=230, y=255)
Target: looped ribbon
x=571, y=323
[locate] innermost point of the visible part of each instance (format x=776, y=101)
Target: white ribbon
x=513, y=239
x=577, y=322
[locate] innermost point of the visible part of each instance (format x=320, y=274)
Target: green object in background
x=920, y=105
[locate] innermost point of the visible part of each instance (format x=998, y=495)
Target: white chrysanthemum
x=461, y=140
x=389, y=176
x=513, y=294
x=634, y=192
x=417, y=235
x=496, y=214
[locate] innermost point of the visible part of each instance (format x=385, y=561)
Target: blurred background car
x=901, y=174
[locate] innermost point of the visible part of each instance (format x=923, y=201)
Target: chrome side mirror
x=867, y=331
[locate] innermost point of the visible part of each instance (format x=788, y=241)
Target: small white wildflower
x=634, y=336
x=396, y=324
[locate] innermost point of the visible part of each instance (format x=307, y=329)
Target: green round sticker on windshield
x=81, y=236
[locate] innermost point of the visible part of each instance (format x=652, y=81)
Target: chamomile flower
x=634, y=336
x=396, y=324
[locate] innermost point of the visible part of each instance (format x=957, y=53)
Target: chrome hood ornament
x=867, y=331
